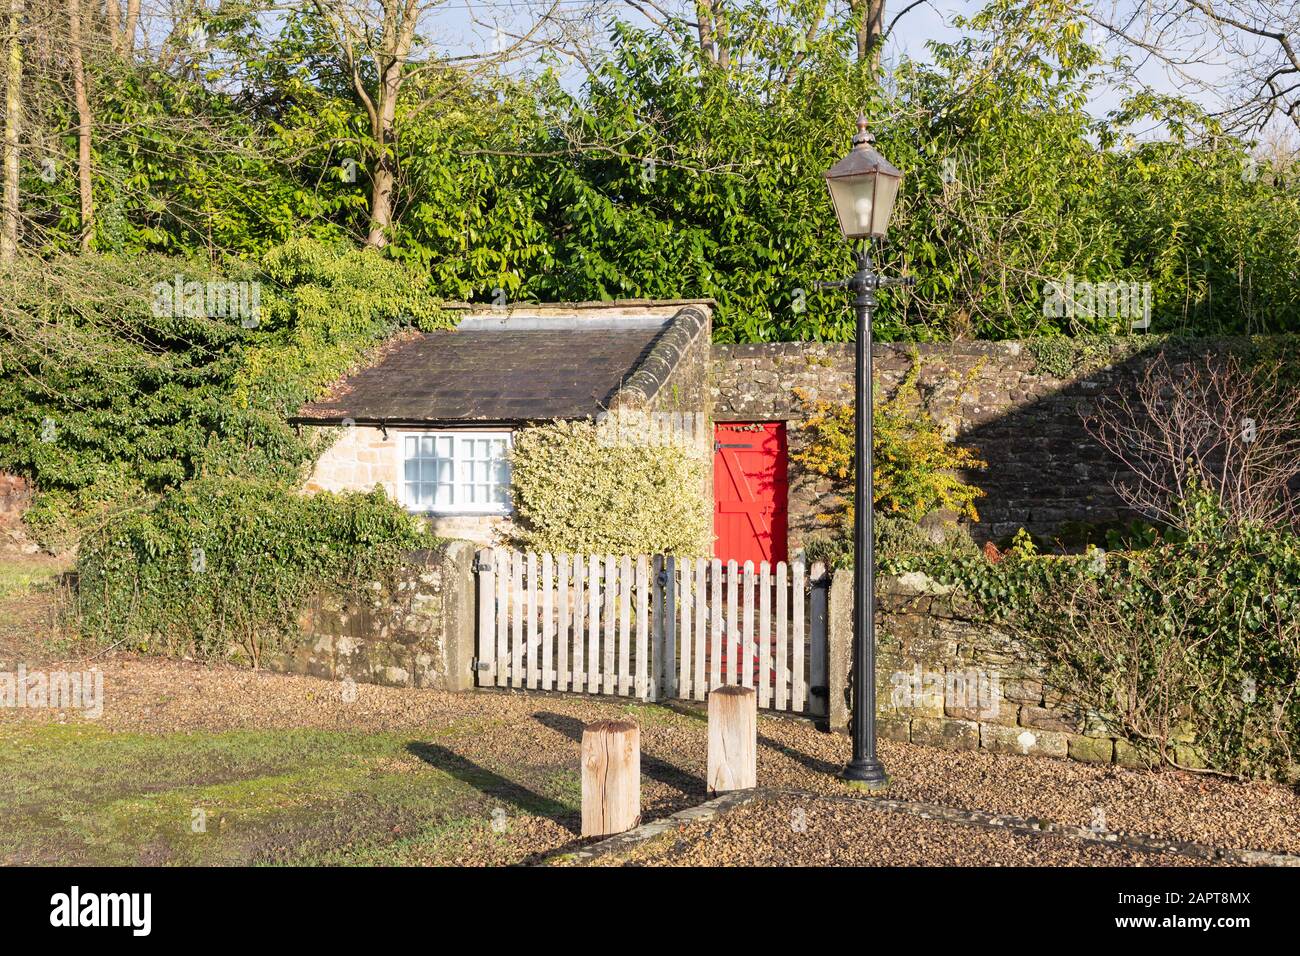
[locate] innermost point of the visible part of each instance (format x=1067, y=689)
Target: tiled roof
x=489, y=375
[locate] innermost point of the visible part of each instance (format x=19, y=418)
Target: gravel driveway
x=512, y=743
x=803, y=831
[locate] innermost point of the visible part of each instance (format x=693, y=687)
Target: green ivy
x=1189, y=648
x=104, y=403
x=222, y=567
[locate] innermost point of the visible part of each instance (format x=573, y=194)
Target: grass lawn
x=79, y=794
x=17, y=574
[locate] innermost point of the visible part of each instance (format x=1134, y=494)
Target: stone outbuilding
x=432, y=419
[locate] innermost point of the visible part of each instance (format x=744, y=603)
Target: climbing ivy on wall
x=578, y=488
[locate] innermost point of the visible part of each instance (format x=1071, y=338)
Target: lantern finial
x=863, y=137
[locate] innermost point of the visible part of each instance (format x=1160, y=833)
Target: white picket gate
x=653, y=628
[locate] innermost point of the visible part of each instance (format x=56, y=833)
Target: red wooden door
x=749, y=491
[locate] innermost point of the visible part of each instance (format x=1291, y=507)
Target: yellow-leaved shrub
x=576, y=490
x=917, y=470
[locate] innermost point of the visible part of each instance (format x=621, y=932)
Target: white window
x=456, y=472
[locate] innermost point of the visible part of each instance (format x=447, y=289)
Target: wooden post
x=657, y=626
x=611, y=777
x=486, y=671
x=818, y=681
x=668, y=660
x=733, y=739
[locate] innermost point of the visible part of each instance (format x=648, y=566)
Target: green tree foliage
x=664, y=175
x=105, y=398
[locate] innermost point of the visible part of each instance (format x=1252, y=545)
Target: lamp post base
x=865, y=774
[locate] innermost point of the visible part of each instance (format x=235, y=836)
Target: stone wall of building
x=1028, y=423
x=946, y=678
x=362, y=457
x=672, y=384
x=417, y=633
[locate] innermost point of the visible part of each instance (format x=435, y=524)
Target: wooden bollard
x=733, y=739
x=611, y=777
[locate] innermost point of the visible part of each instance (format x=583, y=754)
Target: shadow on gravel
x=654, y=768
x=815, y=764
x=493, y=784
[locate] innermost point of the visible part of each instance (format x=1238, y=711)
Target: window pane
x=455, y=470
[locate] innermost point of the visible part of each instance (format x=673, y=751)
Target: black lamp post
x=863, y=187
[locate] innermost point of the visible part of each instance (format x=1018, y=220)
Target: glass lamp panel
x=853, y=200
x=886, y=193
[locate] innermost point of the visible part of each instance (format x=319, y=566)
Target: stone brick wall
x=1045, y=469
x=945, y=678
x=419, y=633
x=15, y=496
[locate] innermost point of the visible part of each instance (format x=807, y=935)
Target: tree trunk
x=398, y=35
x=13, y=118
x=132, y=20
x=870, y=16
x=383, y=175
x=722, y=34
x=114, y=16
x=712, y=24
x=84, y=173
x=381, y=203
x=704, y=21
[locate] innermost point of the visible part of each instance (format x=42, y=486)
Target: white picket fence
x=653, y=628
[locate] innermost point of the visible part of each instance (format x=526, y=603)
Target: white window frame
x=456, y=507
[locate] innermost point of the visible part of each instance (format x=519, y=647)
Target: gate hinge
x=478, y=665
